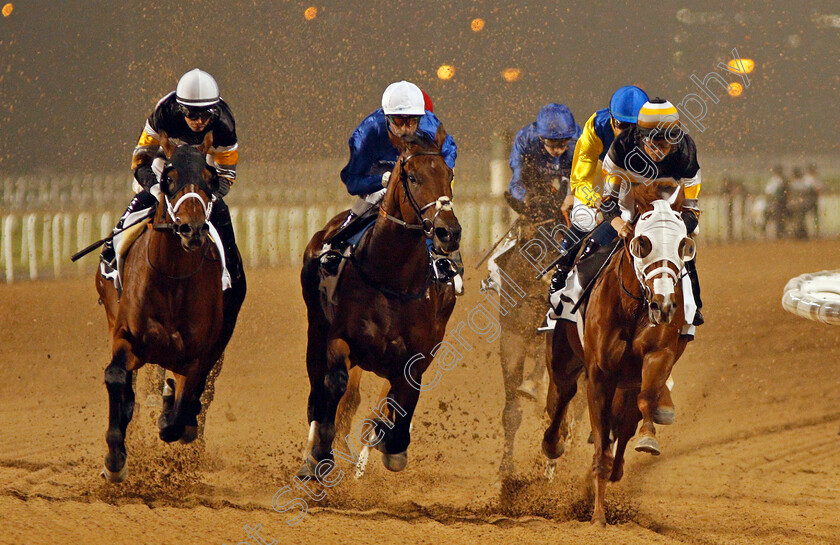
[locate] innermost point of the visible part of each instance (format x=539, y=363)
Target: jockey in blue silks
x=542, y=152
x=373, y=157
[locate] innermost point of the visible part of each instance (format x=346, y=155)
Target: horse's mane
x=645, y=193
x=420, y=142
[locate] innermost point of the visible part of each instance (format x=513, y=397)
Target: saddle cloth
x=566, y=298
x=327, y=283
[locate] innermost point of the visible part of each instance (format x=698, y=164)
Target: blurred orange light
x=511, y=74
x=477, y=25
x=445, y=71
x=735, y=89
x=310, y=13
x=746, y=66
x=7, y=9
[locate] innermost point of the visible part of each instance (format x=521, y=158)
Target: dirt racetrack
x=754, y=457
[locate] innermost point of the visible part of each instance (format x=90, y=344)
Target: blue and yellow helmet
x=626, y=103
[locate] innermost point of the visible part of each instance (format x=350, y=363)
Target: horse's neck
x=165, y=249
x=394, y=248
x=626, y=277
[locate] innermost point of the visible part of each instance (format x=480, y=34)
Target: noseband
x=172, y=211
x=442, y=204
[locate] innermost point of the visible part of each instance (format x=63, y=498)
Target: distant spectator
x=812, y=189
x=777, y=192
x=796, y=204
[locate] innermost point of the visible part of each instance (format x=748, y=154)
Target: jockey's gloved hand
x=690, y=219
x=224, y=186
x=145, y=176
x=386, y=176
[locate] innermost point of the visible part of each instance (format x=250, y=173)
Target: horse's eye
x=412, y=178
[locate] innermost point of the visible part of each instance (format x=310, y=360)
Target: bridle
x=441, y=204
x=179, y=229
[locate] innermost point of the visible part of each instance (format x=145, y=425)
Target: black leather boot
x=141, y=201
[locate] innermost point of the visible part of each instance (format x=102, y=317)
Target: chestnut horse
x=632, y=338
x=388, y=314
x=172, y=310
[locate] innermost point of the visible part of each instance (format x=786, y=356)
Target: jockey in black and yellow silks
x=186, y=115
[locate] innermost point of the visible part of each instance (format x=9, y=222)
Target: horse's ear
x=205, y=146
x=167, y=144
x=440, y=137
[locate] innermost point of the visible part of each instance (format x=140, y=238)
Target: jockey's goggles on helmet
x=197, y=113
x=402, y=120
x=555, y=143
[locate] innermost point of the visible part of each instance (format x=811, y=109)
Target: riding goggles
x=402, y=120
x=555, y=142
x=193, y=113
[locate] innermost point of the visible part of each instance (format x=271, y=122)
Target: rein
x=426, y=225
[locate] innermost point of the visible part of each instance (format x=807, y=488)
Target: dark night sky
x=77, y=79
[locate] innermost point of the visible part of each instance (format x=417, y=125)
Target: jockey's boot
x=334, y=246
x=691, y=268
x=558, y=279
x=141, y=201
x=220, y=218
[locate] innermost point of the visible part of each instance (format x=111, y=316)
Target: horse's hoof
x=170, y=434
x=395, y=462
x=113, y=477
x=189, y=435
x=308, y=468
x=648, y=444
x=528, y=389
x=600, y=519
x=552, y=452
x=664, y=416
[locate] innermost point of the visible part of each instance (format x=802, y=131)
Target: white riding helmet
x=403, y=98
x=197, y=89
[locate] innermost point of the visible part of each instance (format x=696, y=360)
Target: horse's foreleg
x=564, y=370
x=334, y=387
x=625, y=418
x=656, y=368
x=349, y=403
x=512, y=359
x=185, y=389
x=118, y=381
x=600, y=392
x=399, y=405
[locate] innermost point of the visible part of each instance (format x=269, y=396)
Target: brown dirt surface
x=754, y=456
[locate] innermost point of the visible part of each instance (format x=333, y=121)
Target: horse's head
x=188, y=184
x=421, y=186
x=659, y=248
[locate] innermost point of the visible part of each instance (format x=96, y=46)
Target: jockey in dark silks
x=186, y=115
x=598, y=134
x=655, y=150
x=404, y=113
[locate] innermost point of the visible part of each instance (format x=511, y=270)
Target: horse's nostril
x=442, y=233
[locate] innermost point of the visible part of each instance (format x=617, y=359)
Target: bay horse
x=388, y=311
x=632, y=338
x=172, y=310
